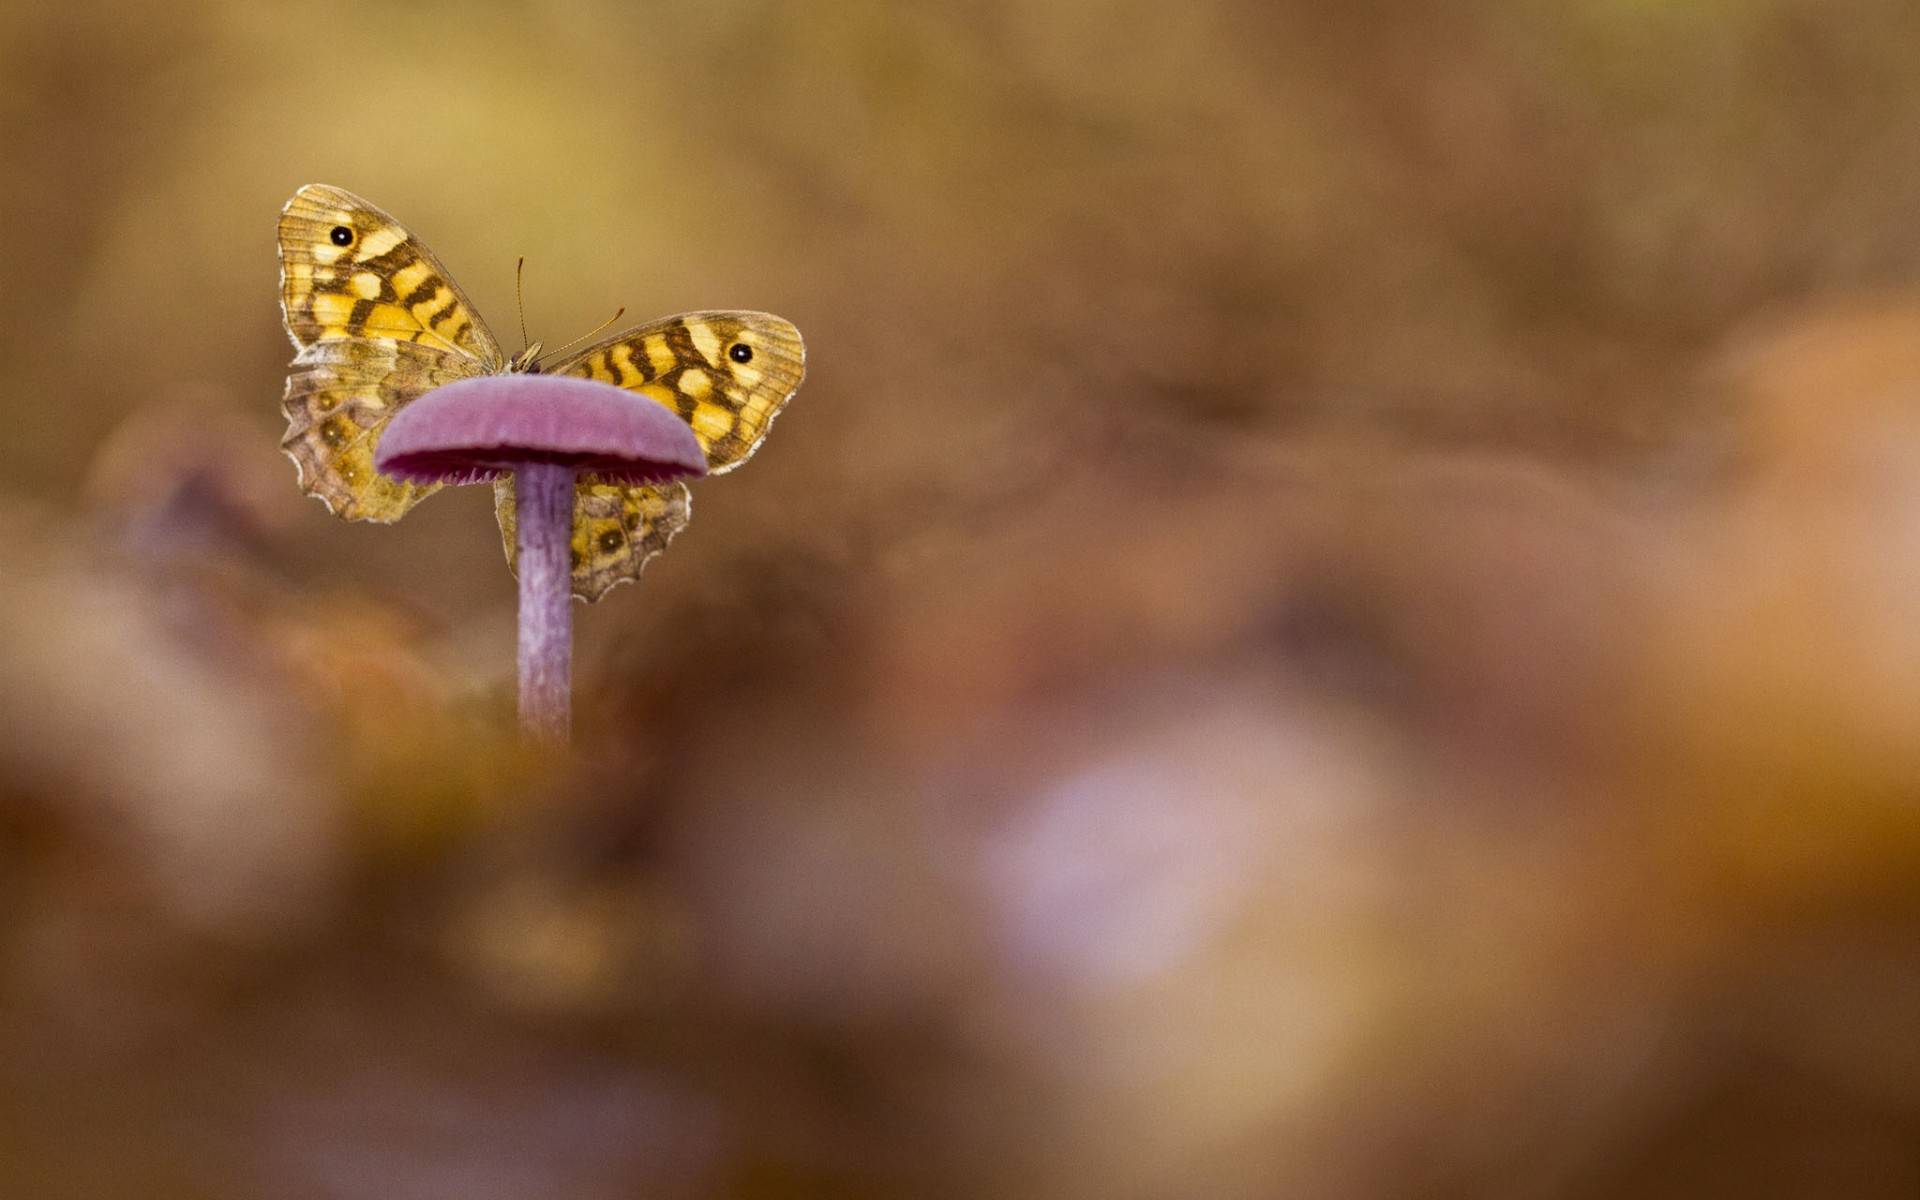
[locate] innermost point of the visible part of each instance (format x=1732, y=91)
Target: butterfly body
x=376, y=322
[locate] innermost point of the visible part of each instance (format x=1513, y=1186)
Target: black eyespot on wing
x=740, y=352
x=341, y=235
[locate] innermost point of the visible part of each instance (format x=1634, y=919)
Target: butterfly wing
x=728, y=374
x=617, y=528
x=376, y=321
x=349, y=270
x=340, y=396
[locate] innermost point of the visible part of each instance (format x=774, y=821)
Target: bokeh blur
x=1338, y=615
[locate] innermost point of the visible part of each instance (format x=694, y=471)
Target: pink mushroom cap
x=480, y=429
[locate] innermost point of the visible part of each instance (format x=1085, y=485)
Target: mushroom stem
x=543, y=493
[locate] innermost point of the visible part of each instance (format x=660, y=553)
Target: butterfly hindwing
x=340, y=396
x=617, y=528
x=727, y=374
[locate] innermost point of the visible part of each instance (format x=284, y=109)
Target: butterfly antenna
x=520, y=300
x=583, y=337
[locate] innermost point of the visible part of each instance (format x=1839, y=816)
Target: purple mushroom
x=544, y=430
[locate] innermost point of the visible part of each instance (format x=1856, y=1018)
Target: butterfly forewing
x=617, y=528
x=727, y=374
x=349, y=272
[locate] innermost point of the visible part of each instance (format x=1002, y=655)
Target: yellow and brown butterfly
x=376, y=321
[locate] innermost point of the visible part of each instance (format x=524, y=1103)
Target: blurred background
x=1336, y=617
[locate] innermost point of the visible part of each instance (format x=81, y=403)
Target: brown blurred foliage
x=1338, y=616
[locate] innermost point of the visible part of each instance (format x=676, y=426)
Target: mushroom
x=544, y=430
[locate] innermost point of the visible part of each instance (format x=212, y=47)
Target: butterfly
x=376, y=322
